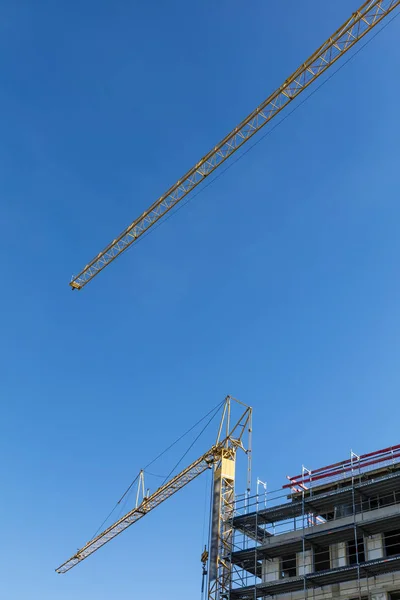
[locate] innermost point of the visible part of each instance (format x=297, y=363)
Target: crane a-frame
x=353, y=29
x=221, y=458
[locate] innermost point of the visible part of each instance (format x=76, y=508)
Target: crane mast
x=221, y=457
x=356, y=27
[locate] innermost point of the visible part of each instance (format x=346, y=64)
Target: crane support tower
x=221, y=458
x=355, y=28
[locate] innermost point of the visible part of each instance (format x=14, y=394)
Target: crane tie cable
x=214, y=411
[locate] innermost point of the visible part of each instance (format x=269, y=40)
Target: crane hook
x=204, y=559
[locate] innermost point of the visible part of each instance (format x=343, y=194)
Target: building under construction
x=328, y=533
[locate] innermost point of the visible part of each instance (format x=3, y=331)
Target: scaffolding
x=327, y=533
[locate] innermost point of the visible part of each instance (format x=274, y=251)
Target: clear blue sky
x=279, y=284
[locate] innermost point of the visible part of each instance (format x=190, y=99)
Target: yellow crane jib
x=221, y=458
x=356, y=27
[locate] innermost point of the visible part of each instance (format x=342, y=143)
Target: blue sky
x=279, y=284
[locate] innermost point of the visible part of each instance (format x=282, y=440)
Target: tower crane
x=353, y=29
x=221, y=458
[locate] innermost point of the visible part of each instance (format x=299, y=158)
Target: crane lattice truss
x=148, y=504
x=221, y=541
x=221, y=458
x=357, y=26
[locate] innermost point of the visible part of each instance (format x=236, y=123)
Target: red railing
x=355, y=463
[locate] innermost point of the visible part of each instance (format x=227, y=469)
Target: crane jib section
x=148, y=504
x=360, y=23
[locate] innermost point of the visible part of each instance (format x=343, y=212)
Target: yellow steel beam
x=357, y=26
x=147, y=504
x=232, y=441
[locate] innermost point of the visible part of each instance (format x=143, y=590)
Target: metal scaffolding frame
x=358, y=488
